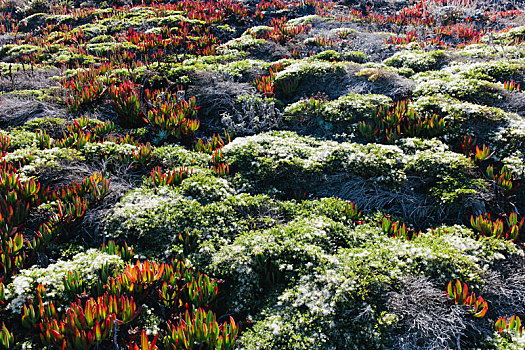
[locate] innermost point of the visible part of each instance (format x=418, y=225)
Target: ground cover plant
x=275, y=174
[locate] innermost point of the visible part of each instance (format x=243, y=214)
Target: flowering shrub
x=347, y=108
x=419, y=61
x=87, y=265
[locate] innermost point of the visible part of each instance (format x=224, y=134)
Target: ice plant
x=513, y=324
x=459, y=293
x=173, y=177
x=125, y=101
x=88, y=323
x=140, y=157
x=43, y=140
x=7, y=339
x=401, y=120
x=5, y=141
x=2, y=293
x=86, y=86
x=73, y=283
x=396, y=229
x=136, y=279
x=514, y=226
x=505, y=179
x=485, y=226
x=144, y=343
x=482, y=154
x=202, y=291
x=221, y=169
x=352, y=212
x=177, y=117
x=200, y=328
x=264, y=84
x=210, y=146
x=511, y=86
x=281, y=32
x=125, y=252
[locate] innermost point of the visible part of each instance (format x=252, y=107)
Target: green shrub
x=257, y=261
x=285, y=163
x=495, y=71
x=414, y=145
x=305, y=20
x=51, y=125
x=457, y=86
x=354, y=107
x=154, y=218
x=351, y=56
x=245, y=42
x=419, y=61
x=455, y=111
x=107, y=149
x=172, y=156
x=324, y=300
x=206, y=188
x=35, y=160
x=302, y=73
x=328, y=55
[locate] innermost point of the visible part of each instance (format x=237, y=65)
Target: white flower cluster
x=108, y=148
x=40, y=159
x=516, y=164
x=413, y=144
x=417, y=60
x=52, y=277
x=376, y=161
